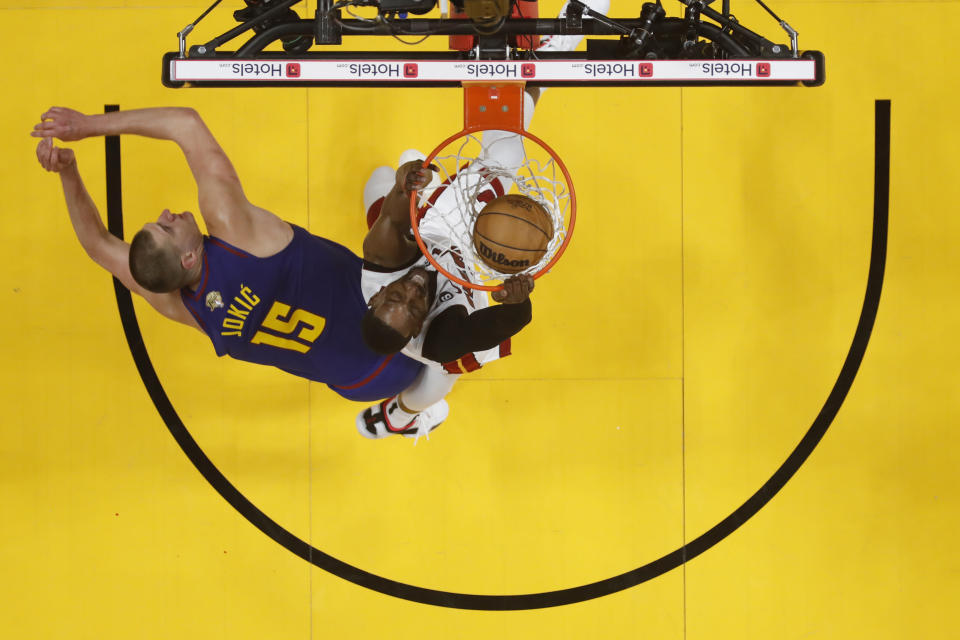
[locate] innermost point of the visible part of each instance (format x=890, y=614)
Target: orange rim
x=415, y=213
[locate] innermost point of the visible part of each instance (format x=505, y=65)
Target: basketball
x=512, y=233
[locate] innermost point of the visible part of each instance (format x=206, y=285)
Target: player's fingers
x=519, y=287
x=50, y=129
x=499, y=294
x=418, y=179
x=52, y=157
x=411, y=166
x=59, y=158
x=43, y=155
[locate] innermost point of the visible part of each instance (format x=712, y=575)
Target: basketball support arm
x=704, y=47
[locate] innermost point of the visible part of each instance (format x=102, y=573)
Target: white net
x=473, y=169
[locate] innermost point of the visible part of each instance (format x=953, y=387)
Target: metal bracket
x=326, y=30
x=793, y=38
x=182, y=37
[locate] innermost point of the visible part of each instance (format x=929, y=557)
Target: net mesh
x=475, y=168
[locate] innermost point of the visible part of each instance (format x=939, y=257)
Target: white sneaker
x=569, y=43
x=378, y=185
x=374, y=422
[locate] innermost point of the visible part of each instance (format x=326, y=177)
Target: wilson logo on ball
x=512, y=233
x=500, y=260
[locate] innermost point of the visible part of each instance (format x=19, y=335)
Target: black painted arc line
x=559, y=597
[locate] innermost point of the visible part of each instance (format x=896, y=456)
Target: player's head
x=165, y=255
x=398, y=311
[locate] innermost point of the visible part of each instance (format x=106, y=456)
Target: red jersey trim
x=368, y=378
x=196, y=316
x=225, y=246
x=452, y=367
x=203, y=281
x=469, y=362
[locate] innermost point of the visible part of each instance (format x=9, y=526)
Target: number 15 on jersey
x=286, y=328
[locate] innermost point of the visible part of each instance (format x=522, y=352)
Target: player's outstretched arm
x=389, y=242
x=103, y=247
x=224, y=206
x=165, y=123
x=454, y=333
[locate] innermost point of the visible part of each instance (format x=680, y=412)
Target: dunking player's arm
x=390, y=243
x=454, y=332
x=402, y=304
x=224, y=207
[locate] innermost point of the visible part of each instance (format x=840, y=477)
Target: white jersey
x=438, y=237
x=448, y=294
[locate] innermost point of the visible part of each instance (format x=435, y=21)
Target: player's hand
x=62, y=123
x=515, y=290
x=54, y=158
x=413, y=176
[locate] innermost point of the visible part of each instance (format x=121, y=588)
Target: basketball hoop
x=492, y=156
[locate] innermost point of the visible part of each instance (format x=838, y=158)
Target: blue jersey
x=298, y=310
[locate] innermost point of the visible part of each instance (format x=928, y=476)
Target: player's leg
x=504, y=148
x=378, y=186
x=382, y=180
x=507, y=148
x=416, y=411
x=430, y=387
x=501, y=149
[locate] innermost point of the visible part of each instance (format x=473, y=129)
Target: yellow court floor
x=680, y=352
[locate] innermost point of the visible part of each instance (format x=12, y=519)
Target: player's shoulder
x=172, y=305
x=260, y=233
